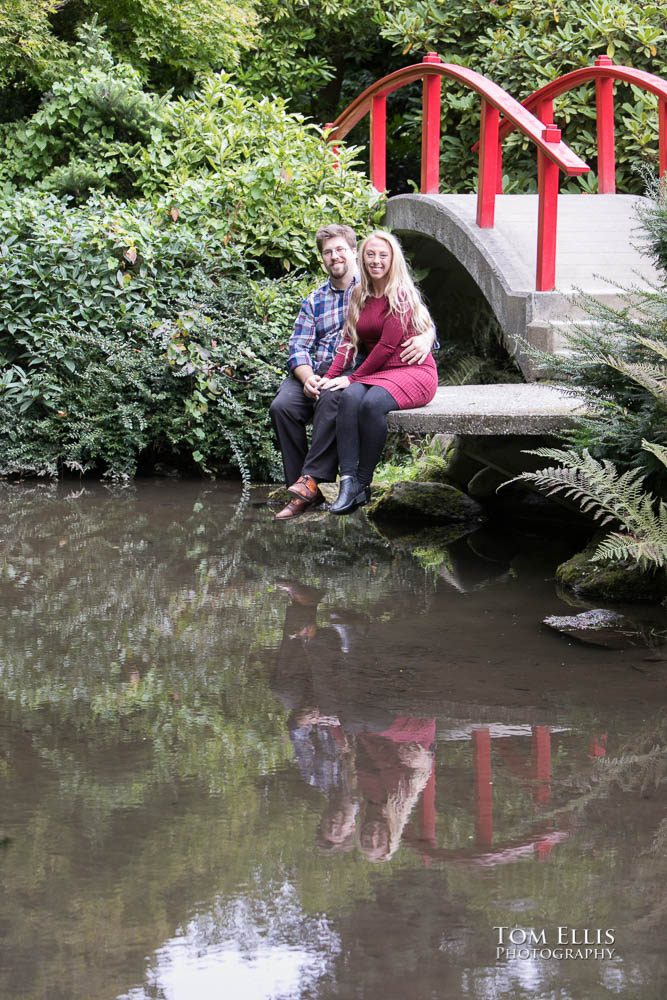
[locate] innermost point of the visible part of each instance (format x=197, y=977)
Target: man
x=312, y=346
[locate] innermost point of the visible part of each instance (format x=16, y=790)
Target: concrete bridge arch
x=598, y=254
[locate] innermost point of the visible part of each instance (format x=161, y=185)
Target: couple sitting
x=361, y=347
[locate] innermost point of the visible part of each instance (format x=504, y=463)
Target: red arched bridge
x=529, y=254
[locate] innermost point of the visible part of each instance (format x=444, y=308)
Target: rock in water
x=609, y=629
x=436, y=503
x=610, y=581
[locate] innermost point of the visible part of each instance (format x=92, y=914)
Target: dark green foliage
x=173, y=41
x=90, y=377
x=137, y=321
x=240, y=170
x=607, y=362
x=610, y=498
x=229, y=345
x=89, y=128
x=617, y=360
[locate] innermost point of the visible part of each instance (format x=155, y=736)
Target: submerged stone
x=609, y=629
x=437, y=503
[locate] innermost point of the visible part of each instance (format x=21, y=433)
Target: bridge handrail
x=553, y=155
x=508, y=106
x=603, y=72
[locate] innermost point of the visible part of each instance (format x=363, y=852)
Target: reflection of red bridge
x=535, y=771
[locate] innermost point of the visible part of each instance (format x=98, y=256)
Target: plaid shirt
x=318, y=327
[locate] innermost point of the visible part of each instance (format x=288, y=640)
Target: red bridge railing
x=553, y=156
x=604, y=73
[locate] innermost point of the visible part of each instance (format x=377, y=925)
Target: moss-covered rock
x=436, y=503
x=431, y=469
x=610, y=580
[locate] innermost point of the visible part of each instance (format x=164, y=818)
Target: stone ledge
x=492, y=409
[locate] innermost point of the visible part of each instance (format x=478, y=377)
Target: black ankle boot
x=350, y=496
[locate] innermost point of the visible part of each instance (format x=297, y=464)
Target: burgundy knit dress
x=382, y=334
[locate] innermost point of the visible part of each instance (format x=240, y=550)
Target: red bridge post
x=378, y=154
x=541, y=752
x=430, y=174
x=548, y=176
x=489, y=148
x=604, y=104
x=481, y=757
x=545, y=111
x=662, y=141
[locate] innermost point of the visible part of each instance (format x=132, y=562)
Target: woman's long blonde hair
x=393, y=814
x=405, y=299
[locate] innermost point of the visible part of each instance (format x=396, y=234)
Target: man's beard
x=336, y=273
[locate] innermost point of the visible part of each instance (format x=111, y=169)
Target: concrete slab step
x=531, y=409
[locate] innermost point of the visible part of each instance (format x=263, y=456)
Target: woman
x=393, y=769
x=385, y=308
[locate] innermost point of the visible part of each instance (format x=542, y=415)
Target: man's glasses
x=338, y=251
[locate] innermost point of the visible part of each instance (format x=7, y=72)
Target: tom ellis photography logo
x=559, y=942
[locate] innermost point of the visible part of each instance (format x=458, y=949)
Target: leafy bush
x=91, y=121
x=229, y=343
x=27, y=44
x=173, y=41
x=243, y=171
x=257, y=174
x=113, y=352
x=149, y=326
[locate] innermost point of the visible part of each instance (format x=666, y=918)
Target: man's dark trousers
x=290, y=412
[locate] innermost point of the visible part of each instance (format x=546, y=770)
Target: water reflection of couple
x=372, y=779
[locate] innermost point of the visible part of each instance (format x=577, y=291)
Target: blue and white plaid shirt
x=318, y=327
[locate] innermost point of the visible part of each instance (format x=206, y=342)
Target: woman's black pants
x=361, y=429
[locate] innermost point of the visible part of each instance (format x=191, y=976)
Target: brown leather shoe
x=298, y=506
x=305, y=487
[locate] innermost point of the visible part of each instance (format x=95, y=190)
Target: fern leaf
x=650, y=377
x=464, y=372
x=608, y=496
x=621, y=547
x=658, y=450
x=657, y=346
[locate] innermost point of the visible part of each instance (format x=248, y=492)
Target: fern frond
x=597, y=484
x=653, y=378
x=658, y=450
x=608, y=496
x=645, y=552
x=657, y=346
x=464, y=372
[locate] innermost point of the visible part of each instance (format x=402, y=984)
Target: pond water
x=245, y=759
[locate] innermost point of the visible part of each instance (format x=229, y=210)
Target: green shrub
x=176, y=365
x=155, y=325
x=94, y=117
x=241, y=171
